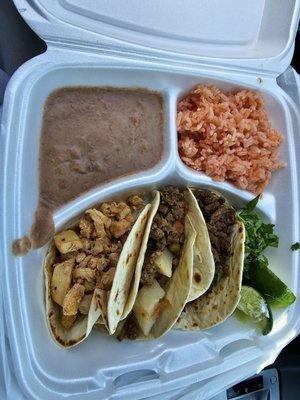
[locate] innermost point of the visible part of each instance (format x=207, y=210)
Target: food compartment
x=276, y=113
x=96, y=365
x=68, y=77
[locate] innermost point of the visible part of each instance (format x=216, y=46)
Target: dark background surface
x=18, y=43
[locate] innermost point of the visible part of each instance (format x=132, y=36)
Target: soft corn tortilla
x=83, y=324
x=203, y=265
x=125, y=270
x=218, y=303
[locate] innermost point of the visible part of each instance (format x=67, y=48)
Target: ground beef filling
x=220, y=219
x=130, y=330
x=167, y=231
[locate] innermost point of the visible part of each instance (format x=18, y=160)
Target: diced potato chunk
x=72, y=300
x=61, y=280
x=67, y=241
x=163, y=263
x=146, y=304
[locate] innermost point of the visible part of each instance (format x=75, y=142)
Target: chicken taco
x=89, y=264
x=227, y=237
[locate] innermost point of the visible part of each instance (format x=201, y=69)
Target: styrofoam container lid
x=255, y=35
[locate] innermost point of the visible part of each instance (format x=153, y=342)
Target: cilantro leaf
x=252, y=204
x=295, y=246
x=259, y=235
x=256, y=273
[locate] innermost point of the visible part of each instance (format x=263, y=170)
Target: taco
x=227, y=237
x=175, y=264
x=156, y=308
x=89, y=264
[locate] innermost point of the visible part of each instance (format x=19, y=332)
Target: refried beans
x=89, y=136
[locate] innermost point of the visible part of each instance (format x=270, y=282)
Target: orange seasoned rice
x=228, y=136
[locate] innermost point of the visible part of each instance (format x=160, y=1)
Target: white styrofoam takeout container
x=167, y=46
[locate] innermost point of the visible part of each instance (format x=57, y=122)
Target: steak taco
x=227, y=237
x=89, y=264
x=175, y=264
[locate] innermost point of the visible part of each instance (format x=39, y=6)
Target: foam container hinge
x=102, y=367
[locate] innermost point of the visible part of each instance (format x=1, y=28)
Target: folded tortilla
x=140, y=262
x=177, y=292
x=198, y=260
x=220, y=301
x=122, y=283
x=203, y=260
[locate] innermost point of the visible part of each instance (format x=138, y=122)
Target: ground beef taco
x=227, y=236
x=175, y=264
x=91, y=263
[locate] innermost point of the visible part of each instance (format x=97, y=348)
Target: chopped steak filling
x=91, y=251
x=220, y=219
x=167, y=231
